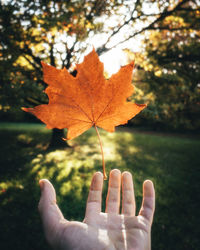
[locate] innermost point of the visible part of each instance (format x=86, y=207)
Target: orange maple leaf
x=78, y=103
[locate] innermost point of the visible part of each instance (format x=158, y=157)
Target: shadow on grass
x=25, y=160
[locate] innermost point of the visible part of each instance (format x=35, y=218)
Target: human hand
x=98, y=231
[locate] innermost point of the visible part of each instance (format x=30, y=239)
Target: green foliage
x=59, y=32
x=171, y=71
x=171, y=162
x=32, y=31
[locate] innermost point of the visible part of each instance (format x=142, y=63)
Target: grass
x=171, y=162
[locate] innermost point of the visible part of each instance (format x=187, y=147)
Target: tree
x=172, y=70
x=59, y=32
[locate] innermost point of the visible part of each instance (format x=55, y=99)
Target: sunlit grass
x=171, y=163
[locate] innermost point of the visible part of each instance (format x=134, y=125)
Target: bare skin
x=101, y=231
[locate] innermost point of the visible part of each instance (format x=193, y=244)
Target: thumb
x=48, y=209
x=48, y=194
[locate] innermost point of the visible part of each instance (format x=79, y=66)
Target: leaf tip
x=132, y=63
x=143, y=105
x=43, y=64
x=24, y=109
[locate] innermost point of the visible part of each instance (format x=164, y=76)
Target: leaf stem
x=102, y=154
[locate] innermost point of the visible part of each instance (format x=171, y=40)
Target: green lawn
x=171, y=162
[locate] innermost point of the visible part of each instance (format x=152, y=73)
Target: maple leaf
x=78, y=103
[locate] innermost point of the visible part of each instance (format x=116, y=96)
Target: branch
x=69, y=55
x=32, y=64
x=52, y=59
x=185, y=58
x=28, y=51
x=32, y=101
x=115, y=31
x=151, y=26
x=189, y=9
x=174, y=29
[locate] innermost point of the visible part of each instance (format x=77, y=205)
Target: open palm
x=109, y=230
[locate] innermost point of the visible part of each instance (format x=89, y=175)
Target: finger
x=128, y=196
x=148, y=203
x=49, y=211
x=94, y=197
x=113, y=196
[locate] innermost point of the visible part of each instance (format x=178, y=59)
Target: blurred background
x=161, y=143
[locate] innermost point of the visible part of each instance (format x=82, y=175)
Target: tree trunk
x=57, y=139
